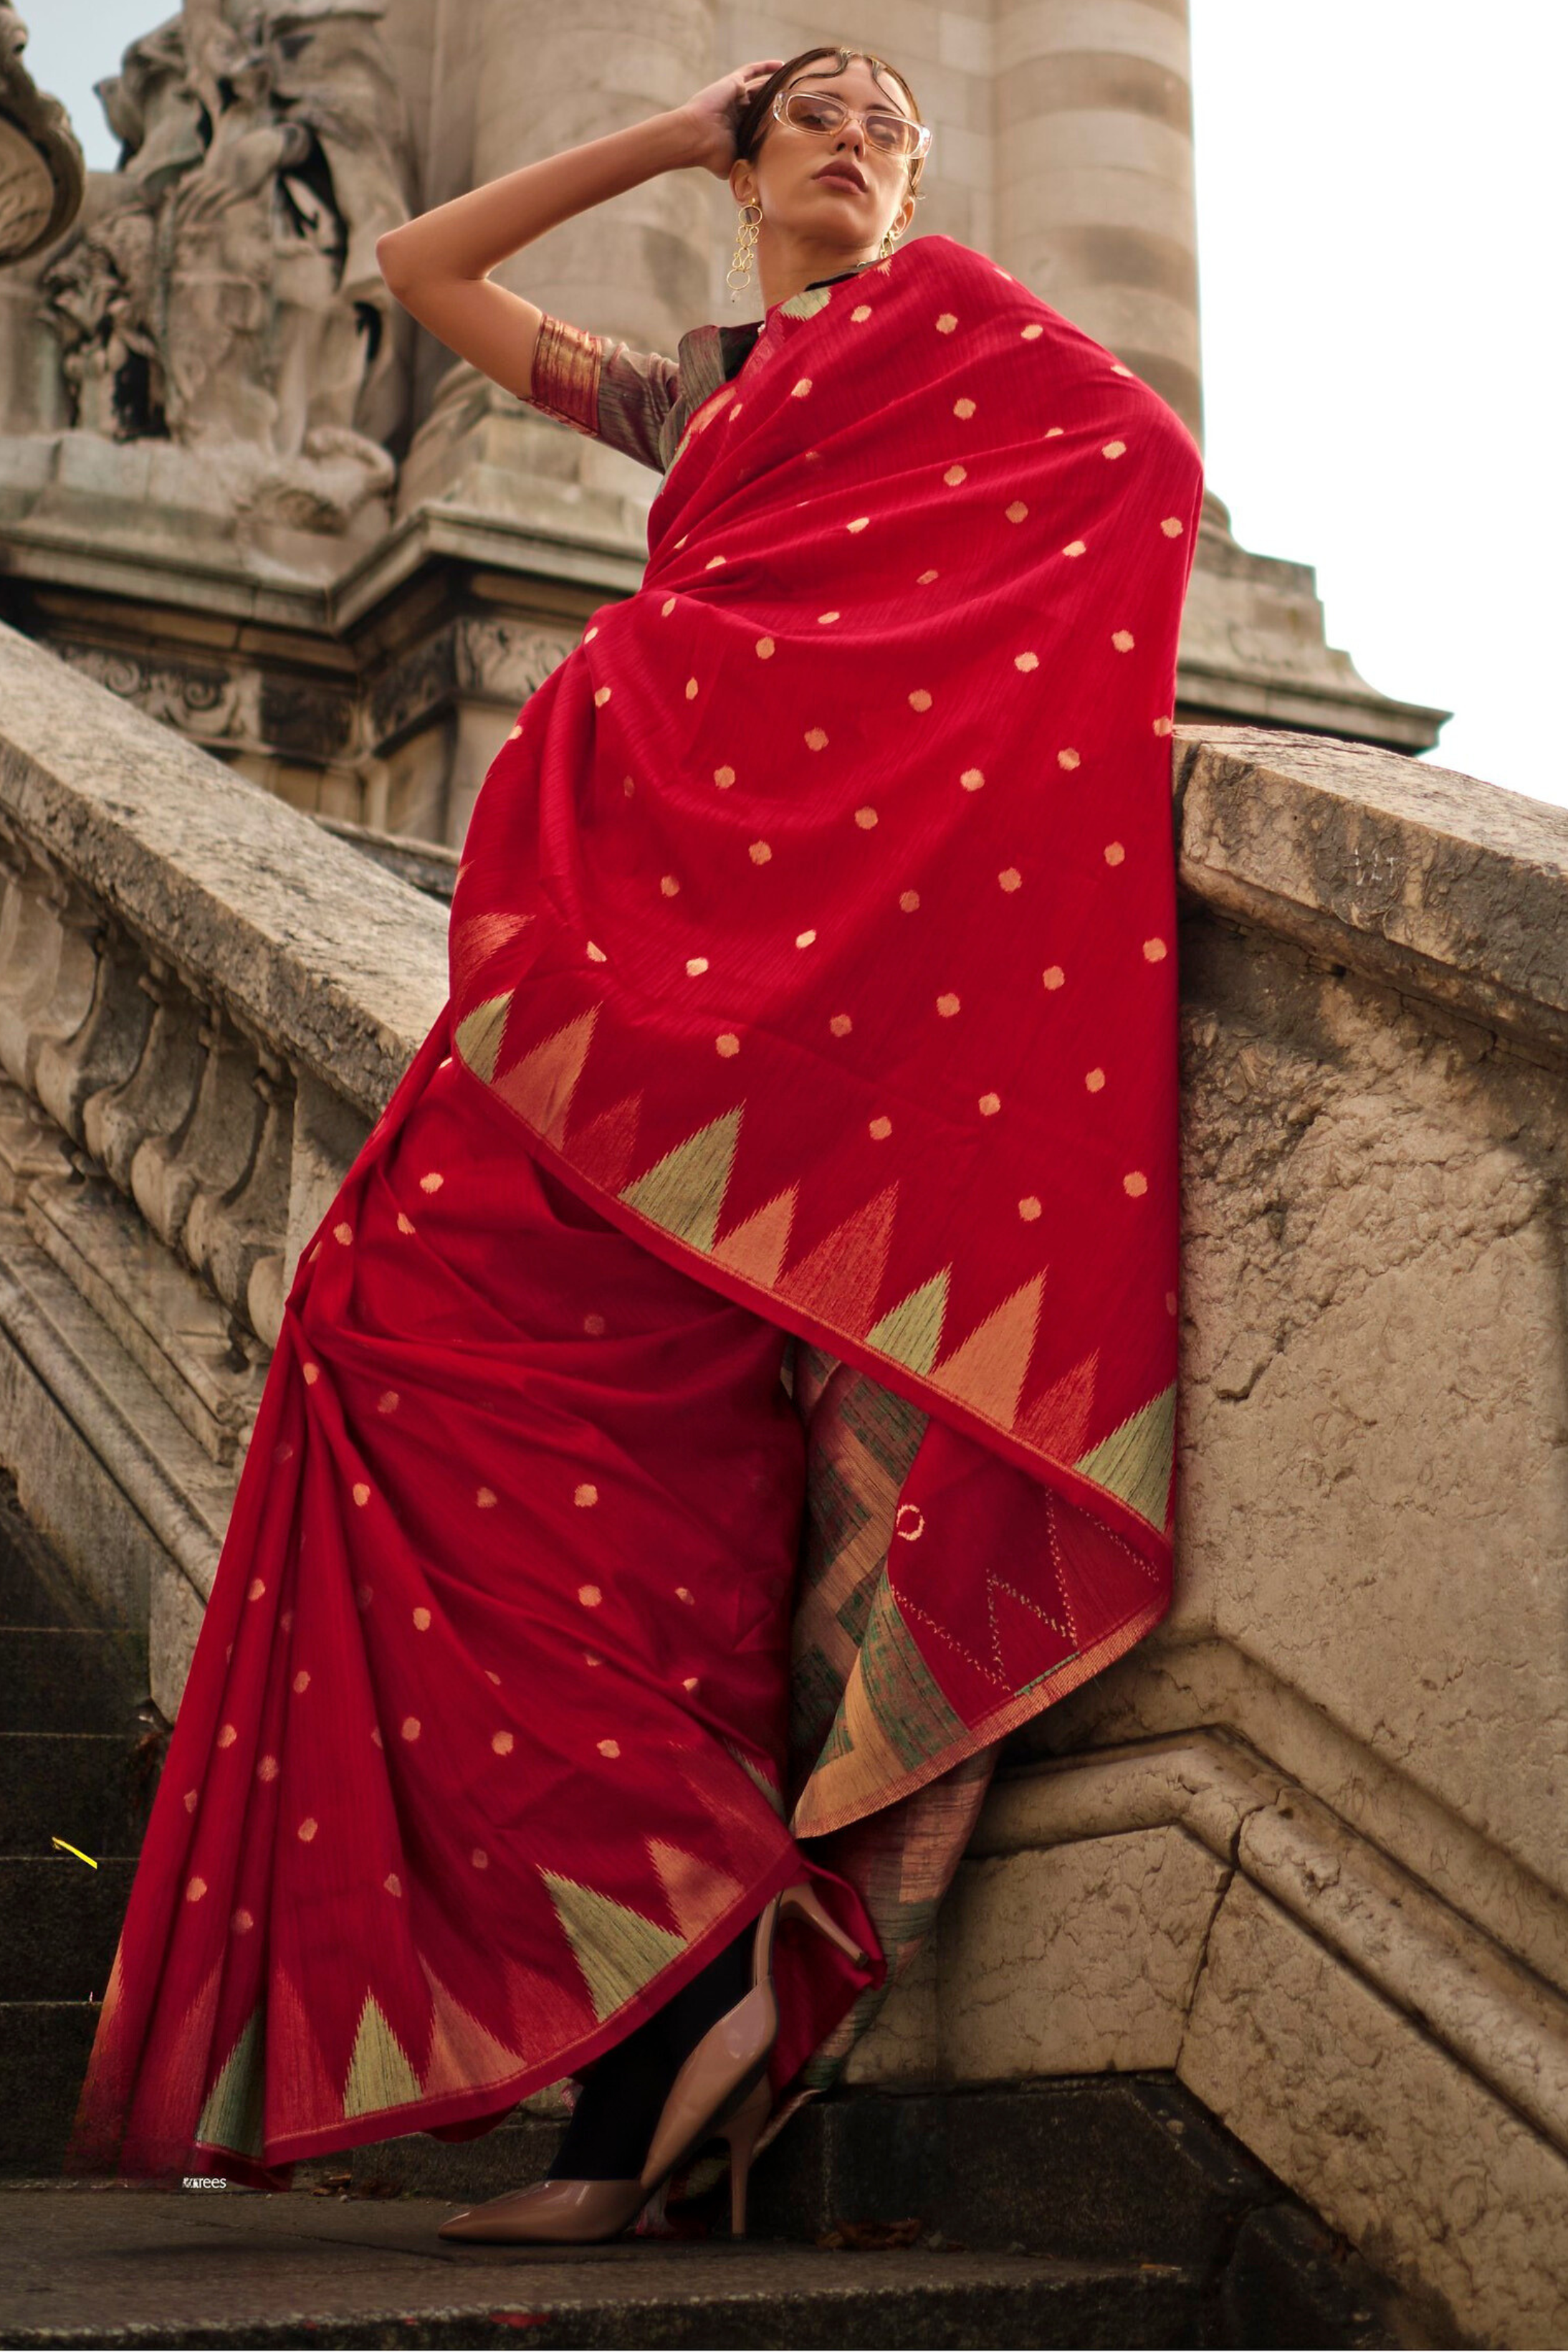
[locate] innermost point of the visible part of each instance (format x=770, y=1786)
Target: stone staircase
x=1103, y=2210
x=81, y=1747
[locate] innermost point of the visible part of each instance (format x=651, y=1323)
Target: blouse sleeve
x=604, y=389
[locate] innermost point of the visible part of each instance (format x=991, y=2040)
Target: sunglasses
x=818, y=110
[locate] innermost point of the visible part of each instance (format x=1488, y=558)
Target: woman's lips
x=836, y=177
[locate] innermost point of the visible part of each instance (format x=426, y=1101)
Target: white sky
x=1380, y=231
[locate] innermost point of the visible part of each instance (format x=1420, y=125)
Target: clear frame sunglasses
x=820, y=111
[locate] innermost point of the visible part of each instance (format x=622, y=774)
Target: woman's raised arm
x=438, y=265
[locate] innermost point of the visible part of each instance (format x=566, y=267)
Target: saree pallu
x=811, y=1012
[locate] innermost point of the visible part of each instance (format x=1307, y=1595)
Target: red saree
x=812, y=973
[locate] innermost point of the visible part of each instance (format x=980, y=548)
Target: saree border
x=1152, y=1545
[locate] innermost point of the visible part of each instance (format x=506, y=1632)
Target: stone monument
x=238, y=487
x=41, y=171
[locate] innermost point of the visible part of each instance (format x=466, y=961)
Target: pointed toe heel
x=551, y=2213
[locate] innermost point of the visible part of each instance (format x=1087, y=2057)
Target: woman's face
x=836, y=190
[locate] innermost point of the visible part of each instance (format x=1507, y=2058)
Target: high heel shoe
x=720, y=2091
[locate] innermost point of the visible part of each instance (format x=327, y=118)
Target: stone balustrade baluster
x=235, y=1237
x=105, y=1047
x=212, y=1148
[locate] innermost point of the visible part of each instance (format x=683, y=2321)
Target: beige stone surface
x=1436, y=2181
x=1073, y=1958
x=1381, y=1923
x=1416, y=876
x=327, y=952
x=904, y=2044
x=1373, y=1474
x=1170, y=1685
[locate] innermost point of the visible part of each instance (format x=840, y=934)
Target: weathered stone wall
x=1302, y=1846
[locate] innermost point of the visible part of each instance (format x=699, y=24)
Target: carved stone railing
x=206, y=1000
x=1303, y=1846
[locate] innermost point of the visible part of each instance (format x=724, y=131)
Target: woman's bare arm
x=438, y=265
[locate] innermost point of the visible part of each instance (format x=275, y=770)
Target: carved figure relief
x=229, y=300
x=41, y=174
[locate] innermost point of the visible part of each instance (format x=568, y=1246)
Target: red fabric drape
x=481, y=1753
x=812, y=965
x=819, y=922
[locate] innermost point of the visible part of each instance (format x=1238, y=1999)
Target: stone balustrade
x=1302, y=1845
x=205, y=1001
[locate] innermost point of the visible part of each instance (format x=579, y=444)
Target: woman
x=780, y=1217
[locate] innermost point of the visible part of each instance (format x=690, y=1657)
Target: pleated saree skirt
x=482, y=1749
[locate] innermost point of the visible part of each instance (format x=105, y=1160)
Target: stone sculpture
x=41, y=171
x=226, y=297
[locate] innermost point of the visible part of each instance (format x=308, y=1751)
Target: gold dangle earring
x=737, y=276
x=889, y=240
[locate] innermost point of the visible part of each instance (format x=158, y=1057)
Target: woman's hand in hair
x=714, y=114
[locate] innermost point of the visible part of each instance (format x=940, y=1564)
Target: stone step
x=1102, y=2168
x=1105, y=2170
x=36, y=1587
x=62, y=1923
x=85, y=1786
x=43, y=2049
x=62, y=1678
x=24, y=1599
x=212, y=2268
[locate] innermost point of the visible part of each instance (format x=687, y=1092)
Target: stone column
x=1094, y=206
x=637, y=267
x=534, y=80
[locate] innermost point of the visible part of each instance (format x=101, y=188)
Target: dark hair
x=754, y=118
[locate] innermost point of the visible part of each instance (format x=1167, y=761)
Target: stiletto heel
x=802, y=1901
x=742, y=2132
x=721, y=2090
x=724, y=2070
